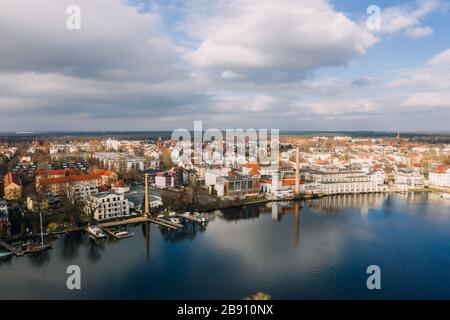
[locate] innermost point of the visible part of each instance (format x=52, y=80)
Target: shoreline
x=249, y=203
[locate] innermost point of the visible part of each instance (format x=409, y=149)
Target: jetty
x=115, y=234
x=135, y=220
x=192, y=218
x=17, y=252
x=164, y=223
x=168, y=222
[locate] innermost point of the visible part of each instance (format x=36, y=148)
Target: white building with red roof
x=440, y=176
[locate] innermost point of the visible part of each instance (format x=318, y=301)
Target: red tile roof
x=103, y=172
x=253, y=165
x=442, y=168
x=55, y=172
x=254, y=172
x=72, y=179
x=11, y=178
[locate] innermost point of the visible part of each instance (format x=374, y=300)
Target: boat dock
x=167, y=223
x=115, y=234
x=164, y=222
x=15, y=251
x=124, y=222
x=191, y=218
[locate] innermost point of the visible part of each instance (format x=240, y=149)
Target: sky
x=288, y=64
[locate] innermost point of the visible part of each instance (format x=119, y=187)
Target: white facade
x=349, y=181
x=351, y=186
x=440, y=179
x=154, y=201
x=112, y=144
x=405, y=180
x=377, y=176
x=335, y=176
x=212, y=175
x=4, y=210
x=81, y=191
x=107, y=206
x=165, y=181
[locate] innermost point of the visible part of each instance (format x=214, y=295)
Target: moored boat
x=122, y=233
x=4, y=255
x=40, y=247
x=174, y=220
x=96, y=232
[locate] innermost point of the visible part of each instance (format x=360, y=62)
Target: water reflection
x=290, y=249
x=95, y=248
x=189, y=231
x=70, y=245
x=334, y=204
x=39, y=260
x=146, y=235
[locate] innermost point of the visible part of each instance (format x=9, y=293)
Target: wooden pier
x=10, y=248
x=164, y=223
x=124, y=222
x=191, y=218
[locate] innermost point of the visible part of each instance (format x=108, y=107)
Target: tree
x=259, y=296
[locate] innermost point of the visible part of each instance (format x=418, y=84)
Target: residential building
x=107, y=205
x=4, y=218
x=81, y=191
x=165, y=180
x=440, y=176
x=409, y=179
x=61, y=185
x=12, y=187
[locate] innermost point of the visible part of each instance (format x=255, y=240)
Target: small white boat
x=96, y=232
x=446, y=196
x=174, y=220
x=124, y=234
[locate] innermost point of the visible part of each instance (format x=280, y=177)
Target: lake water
x=304, y=250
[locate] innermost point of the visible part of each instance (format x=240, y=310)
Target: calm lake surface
x=304, y=250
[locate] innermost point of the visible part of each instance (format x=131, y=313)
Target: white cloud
x=230, y=75
x=115, y=41
x=427, y=86
x=442, y=60
x=428, y=99
x=354, y=107
x=407, y=18
x=279, y=36
x=419, y=32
